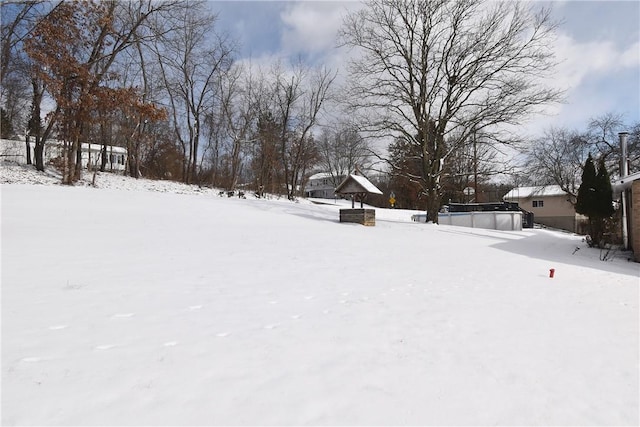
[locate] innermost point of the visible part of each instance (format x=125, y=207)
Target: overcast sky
x=598, y=45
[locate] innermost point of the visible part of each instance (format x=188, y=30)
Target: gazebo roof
x=354, y=184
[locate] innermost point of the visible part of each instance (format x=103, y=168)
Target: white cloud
x=631, y=57
x=595, y=75
x=312, y=27
x=577, y=61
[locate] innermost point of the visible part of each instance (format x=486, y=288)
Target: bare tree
x=239, y=105
x=558, y=158
x=470, y=166
x=559, y=155
x=18, y=20
x=265, y=157
x=21, y=89
x=602, y=137
x=603, y=134
x=634, y=148
x=298, y=99
x=192, y=57
x=428, y=70
x=341, y=149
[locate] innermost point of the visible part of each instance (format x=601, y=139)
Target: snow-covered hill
x=154, y=303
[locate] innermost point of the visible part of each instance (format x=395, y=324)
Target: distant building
x=116, y=157
x=15, y=150
x=321, y=186
x=550, y=205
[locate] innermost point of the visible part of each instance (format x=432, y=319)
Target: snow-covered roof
x=356, y=184
x=111, y=149
x=623, y=183
x=536, y=191
x=320, y=175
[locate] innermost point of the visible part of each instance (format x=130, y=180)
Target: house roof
x=357, y=184
x=622, y=184
x=537, y=191
x=320, y=175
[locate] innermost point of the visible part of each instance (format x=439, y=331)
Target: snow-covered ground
x=155, y=303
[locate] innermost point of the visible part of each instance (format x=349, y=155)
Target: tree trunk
x=28, y=148
x=38, y=154
x=433, y=205
x=103, y=157
x=77, y=169
x=103, y=150
x=67, y=174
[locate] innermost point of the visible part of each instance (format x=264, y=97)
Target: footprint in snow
x=105, y=347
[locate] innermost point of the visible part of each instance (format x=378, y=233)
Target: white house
x=15, y=150
x=550, y=205
x=321, y=185
x=116, y=157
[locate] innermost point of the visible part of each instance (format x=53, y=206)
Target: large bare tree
x=428, y=71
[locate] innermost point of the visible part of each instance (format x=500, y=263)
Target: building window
x=538, y=203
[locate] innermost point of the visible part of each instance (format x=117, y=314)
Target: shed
x=357, y=186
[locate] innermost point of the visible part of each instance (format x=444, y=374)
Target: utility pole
x=475, y=168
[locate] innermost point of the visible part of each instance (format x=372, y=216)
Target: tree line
x=437, y=86
x=160, y=79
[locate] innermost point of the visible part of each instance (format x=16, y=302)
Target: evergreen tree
x=586, y=201
x=604, y=191
x=595, y=199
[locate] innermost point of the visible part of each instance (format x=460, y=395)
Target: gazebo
x=357, y=186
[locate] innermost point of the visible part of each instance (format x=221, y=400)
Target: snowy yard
x=131, y=304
